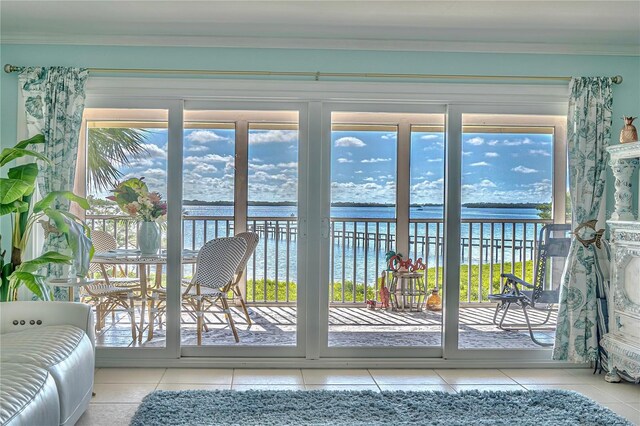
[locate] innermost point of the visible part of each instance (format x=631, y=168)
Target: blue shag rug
x=321, y=407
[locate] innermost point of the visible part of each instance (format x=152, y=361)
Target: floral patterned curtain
x=54, y=103
x=588, y=134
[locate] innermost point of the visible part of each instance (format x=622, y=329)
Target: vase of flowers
x=133, y=198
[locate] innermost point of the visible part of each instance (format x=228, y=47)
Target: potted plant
x=16, y=200
x=134, y=199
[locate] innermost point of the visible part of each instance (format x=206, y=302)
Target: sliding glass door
x=240, y=174
x=341, y=196
x=386, y=205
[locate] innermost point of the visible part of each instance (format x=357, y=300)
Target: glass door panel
x=208, y=207
x=426, y=220
x=510, y=169
x=271, y=278
x=241, y=174
x=386, y=198
x=126, y=149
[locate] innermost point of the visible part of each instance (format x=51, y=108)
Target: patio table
x=134, y=257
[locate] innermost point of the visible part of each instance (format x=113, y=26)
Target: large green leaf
x=12, y=190
x=24, y=172
x=34, y=140
x=35, y=283
x=48, y=257
x=17, y=206
x=58, y=219
x=48, y=200
x=10, y=154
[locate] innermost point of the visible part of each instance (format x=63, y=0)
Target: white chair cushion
x=28, y=396
x=66, y=352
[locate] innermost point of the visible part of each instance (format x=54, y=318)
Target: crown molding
x=324, y=44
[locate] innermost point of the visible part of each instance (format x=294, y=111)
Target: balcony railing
x=488, y=248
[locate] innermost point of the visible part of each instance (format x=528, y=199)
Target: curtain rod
x=8, y=68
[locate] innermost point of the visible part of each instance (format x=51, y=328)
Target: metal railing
x=488, y=248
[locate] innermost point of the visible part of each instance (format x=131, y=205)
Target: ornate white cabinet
x=623, y=340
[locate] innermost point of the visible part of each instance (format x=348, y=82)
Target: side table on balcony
x=408, y=291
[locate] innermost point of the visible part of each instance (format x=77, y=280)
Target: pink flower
x=132, y=209
x=154, y=197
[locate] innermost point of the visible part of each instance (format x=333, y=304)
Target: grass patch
x=489, y=285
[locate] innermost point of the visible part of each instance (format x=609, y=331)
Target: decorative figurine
x=383, y=294
x=628, y=132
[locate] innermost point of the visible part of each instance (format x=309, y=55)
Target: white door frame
x=174, y=108
x=453, y=215
x=169, y=93
x=268, y=351
x=402, y=221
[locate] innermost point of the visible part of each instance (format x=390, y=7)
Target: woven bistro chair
x=103, y=293
x=544, y=292
x=216, y=266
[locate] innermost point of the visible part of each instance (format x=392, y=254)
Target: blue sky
x=496, y=167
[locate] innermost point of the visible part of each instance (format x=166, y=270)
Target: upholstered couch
x=47, y=357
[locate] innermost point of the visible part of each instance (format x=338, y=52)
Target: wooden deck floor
x=348, y=327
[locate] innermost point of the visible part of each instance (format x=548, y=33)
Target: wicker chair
x=104, y=294
x=543, y=293
x=216, y=266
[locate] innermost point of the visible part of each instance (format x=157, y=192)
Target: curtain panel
x=54, y=103
x=588, y=134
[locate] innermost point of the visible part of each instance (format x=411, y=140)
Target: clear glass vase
x=149, y=238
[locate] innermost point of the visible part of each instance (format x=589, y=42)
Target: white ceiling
x=607, y=27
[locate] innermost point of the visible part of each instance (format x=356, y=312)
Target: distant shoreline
x=345, y=204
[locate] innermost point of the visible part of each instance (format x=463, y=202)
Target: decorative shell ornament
x=628, y=132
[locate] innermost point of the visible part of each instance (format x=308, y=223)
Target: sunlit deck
x=348, y=327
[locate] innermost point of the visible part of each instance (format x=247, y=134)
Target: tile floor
x=120, y=390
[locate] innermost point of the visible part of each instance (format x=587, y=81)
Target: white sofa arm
x=16, y=316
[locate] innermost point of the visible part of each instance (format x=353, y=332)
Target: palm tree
x=109, y=148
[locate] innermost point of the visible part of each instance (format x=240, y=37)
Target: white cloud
x=523, y=169
x=480, y=164
x=344, y=160
x=390, y=136
x=493, y=142
x=491, y=154
x=430, y=137
x=209, y=158
x=376, y=160
x=362, y=192
x=273, y=136
x=262, y=167
x=486, y=183
x=517, y=142
x=196, y=148
x=358, y=172
x=205, y=168
x=205, y=136
x=369, y=179
x=153, y=151
x=140, y=162
x=291, y=165
x=466, y=153
x=434, y=160
x=476, y=141
x=349, y=141
x=540, y=152
x=256, y=160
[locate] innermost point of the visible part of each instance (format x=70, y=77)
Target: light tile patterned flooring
x=120, y=390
